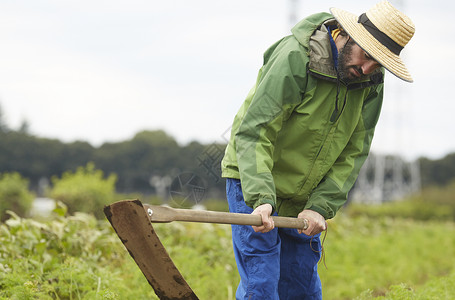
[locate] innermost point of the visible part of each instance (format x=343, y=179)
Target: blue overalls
x=280, y=264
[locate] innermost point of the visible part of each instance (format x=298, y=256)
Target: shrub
x=85, y=190
x=14, y=195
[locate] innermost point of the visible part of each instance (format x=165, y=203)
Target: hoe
x=132, y=221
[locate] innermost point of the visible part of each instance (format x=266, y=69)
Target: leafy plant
x=73, y=257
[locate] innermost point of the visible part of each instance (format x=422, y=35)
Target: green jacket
x=301, y=136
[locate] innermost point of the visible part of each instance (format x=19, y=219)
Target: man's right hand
x=265, y=211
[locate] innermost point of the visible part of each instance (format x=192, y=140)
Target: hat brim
x=371, y=45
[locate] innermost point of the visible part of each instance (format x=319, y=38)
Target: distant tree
x=438, y=172
x=136, y=160
x=31, y=156
x=3, y=126
x=35, y=158
x=76, y=154
x=25, y=127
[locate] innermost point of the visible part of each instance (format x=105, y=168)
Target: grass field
x=79, y=257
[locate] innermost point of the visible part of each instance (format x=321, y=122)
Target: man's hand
x=316, y=222
x=265, y=211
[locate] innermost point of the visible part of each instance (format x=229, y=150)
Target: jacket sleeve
x=278, y=90
x=331, y=193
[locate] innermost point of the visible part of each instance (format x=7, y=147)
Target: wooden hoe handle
x=164, y=214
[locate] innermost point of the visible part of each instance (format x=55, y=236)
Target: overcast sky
x=100, y=71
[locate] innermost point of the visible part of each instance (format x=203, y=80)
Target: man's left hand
x=316, y=222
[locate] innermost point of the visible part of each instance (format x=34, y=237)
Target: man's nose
x=369, y=66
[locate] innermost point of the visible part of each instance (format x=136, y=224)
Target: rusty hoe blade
x=132, y=224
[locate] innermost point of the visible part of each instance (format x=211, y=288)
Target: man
x=300, y=138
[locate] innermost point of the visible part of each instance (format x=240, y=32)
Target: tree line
x=140, y=163
x=145, y=162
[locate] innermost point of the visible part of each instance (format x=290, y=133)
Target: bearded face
x=351, y=59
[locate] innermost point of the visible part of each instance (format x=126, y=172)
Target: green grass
x=79, y=257
x=438, y=288
x=374, y=254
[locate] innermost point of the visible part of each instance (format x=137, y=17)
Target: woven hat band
x=379, y=35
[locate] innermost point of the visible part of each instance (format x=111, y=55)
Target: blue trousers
x=280, y=264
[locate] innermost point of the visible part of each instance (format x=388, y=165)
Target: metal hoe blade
x=132, y=224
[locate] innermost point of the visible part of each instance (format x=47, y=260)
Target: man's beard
x=343, y=66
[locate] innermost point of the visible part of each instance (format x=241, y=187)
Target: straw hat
x=382, y=32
